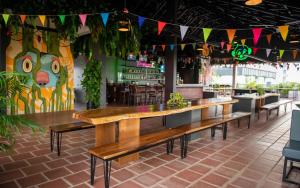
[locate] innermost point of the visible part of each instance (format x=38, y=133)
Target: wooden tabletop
x=114, y=114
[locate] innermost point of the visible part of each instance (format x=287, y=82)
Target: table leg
x=105, y=134
x=205, y=113
x=227, y=108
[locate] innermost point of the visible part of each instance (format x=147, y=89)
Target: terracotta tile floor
x=248, y=158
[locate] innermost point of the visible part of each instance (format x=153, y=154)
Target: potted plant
x=177, y=100
x=12, y=84
x=260, y=90
x=91, y=83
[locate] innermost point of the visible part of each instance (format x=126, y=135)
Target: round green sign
x=241, y=52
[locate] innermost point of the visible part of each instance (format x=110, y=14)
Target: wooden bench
x=122, y=148
x=57, y=130
x=275, y=105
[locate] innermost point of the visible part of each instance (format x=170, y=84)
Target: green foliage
x=91, y=82
x=251, y=85
x=176, y=99
x=10, y=85
x=260, y=89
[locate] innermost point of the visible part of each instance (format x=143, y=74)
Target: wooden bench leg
x=249, y=122
x=238, y=123
x=268, y=113
x=186, y=141
x=278, y=111
x=285, y=107
x=93, y=168
x=284, y=170
x=58, y=142
x=225, y=131
x=172, y=146
x=213, y=131
x=52, y=135
x=107, y=169
x=258, y=113
x=183, y=146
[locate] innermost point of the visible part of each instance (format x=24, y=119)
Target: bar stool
x=135, y=95
x=151, y=95
x=159, y=93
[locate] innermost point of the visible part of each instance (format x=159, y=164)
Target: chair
x=291, y=151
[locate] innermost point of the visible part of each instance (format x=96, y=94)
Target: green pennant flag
x=206, y=33
x=5, y=17
x=62, y=18
x=281, y=53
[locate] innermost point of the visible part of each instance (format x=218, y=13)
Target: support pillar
x=234, y=74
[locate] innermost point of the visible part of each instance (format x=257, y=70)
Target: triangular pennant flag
x=281, y=53
x=153, y=47
x=268, y=51
x=23, y=18
x=295, y=52
x=83, y=18
x=42, y=19
x=255, y=50
x=62, y=19
x=228, y=47
x=163, y=46
x=104, y=17
x=183, y=30
x=141, y=21
x=160, y=27
x=182, y=46
x=194, y=45
x=269, y=36
x=206, y=33
x=256, y=34
x=172, y=47
x=283, y=31
x=222, y=44
x=5, y=17
x=243, y=41
x=230, y=33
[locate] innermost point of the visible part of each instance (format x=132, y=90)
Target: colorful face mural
x=50, y=69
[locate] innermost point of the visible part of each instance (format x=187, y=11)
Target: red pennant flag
x=230, y=33
x=255, y=50
x=269, y=36
x=23, y=18
x=163, y=46
x=228, y=47
x=160, y=26
x=256, y=34
x=295, y=52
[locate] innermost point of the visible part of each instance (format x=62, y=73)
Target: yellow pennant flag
x=283, y=31
x=42, y=19
x=281, y=53
x=243, y=41
x=182, y=46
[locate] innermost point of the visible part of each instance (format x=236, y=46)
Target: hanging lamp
x=253, y=2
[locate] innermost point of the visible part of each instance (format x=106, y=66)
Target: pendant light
x=253, y=2
x=124, y=23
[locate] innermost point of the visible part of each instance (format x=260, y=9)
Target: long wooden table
x=128, y=119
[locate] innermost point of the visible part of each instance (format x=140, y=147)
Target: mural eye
x=55, y=67
x=27, y=65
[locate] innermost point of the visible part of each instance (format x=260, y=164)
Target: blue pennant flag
x=104, y=17
x=172, y=47
x=141, y=21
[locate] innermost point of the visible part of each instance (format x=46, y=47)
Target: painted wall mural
x=49, y=64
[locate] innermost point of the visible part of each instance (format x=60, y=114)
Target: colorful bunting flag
x=228, y=47
x=255, y=50
x=182, y=46
x=206, y=33
x=183, y=30
x=243, y=41
x=268, y=51
x=295, y=52
x=160, y=26
x=5, y=17
x=194, y=45
x=230, y=33
x=141, y=21
x=153, y=47
x=222, y=44
x=104, y=17
x=283, y=31
x=82, y=18
x=163, y=46
x=281, y=53
x=256, y=34
x=23, y=18
x=269, y=36
x=172, y=47
x=62, y=18
x=42, y=19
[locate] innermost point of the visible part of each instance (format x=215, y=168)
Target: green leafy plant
x=251, y=85
x=10, y=125
x=176, y=99
x=91, y=82
x=260, y=89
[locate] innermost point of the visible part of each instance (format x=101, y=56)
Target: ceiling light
x=253, y=2
x=123, y=26
x=294, y=41
x=199, y=49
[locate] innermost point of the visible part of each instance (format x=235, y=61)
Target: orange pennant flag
x=228, y=47
x=243, y=41
x=230, y=33
x=163, y=46
x=283, y=31
x=269, y=36
x=295, y=52
x=42, y=19
x=23, y=18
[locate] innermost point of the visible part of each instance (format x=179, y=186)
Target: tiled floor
x=248, y=158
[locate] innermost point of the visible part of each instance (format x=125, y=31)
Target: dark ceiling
x=217, y=14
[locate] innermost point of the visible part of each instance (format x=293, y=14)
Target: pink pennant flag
x=228, y=47
x=160, y=27
x=183, y=30
x=163, y=46
x=83, y=18
x=256, y=34
x=255, y=50
x=222, y=44
x=268, y=51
